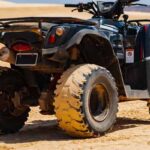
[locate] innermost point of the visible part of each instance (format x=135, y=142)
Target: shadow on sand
x=49, y=131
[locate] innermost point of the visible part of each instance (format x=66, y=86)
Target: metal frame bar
x=56, y=20
x=140, y=20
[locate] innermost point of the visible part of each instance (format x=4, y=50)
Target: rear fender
x=33, y=38
x=95, y=48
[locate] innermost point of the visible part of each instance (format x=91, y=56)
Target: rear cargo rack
x=56, y=20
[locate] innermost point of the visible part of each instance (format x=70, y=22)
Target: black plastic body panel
x=135, y=76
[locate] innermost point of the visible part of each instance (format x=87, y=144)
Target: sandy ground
x=132, y=130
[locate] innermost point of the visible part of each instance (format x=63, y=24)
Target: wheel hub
x=99, y=103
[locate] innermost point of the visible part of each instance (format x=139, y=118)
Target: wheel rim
x=99, y=103
x=7, y=107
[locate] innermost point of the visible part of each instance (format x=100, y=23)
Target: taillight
x=21, y=47
x=52, y=39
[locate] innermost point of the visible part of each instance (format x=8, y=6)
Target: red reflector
x=52, y=39
x=19, y=47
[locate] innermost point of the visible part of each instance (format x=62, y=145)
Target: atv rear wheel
x=12, y=119
x=86, y=101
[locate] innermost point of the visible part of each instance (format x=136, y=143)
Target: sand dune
x=5, y=3
x=20, y=10
x=9, y=9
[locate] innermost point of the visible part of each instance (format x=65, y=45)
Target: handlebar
x=128, y=1
x=71, y=5
x=83, y=6
x=94, y=8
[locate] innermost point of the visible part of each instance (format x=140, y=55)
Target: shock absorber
x=33, y=89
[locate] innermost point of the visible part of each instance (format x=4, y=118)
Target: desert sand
x=132, y=130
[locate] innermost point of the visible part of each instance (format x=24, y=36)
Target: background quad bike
x=81, y=57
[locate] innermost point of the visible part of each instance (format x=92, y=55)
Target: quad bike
x=76, y=69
